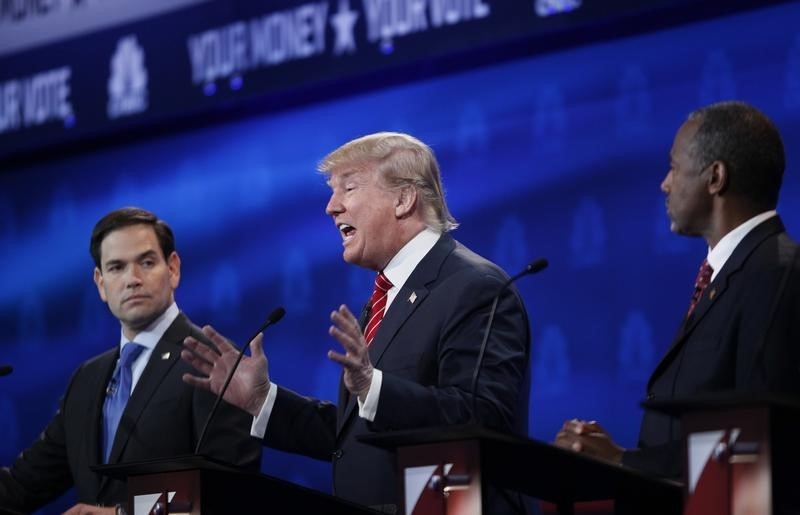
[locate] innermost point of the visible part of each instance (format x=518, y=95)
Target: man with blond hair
x=408, y=362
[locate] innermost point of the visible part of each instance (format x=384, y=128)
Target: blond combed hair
x=401, y=160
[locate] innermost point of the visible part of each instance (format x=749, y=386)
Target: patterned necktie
x=700, y=284
x=377, y=306
x=117, y=393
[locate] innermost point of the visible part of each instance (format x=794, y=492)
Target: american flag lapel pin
x=412, y=297
x=712, y=294
x=165, y=355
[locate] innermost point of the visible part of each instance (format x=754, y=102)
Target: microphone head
x=536, y=266
x=5, y=370
x=276, y=315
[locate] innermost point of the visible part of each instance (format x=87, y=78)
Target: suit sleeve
x=302, y=425
x=40, y=473
x=438, y=390
x=228, y=435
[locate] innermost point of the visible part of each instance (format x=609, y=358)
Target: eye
x=148, y=263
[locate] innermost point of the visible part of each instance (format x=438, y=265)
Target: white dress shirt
x=399, y=269
x=148, y=338
x=718, y=256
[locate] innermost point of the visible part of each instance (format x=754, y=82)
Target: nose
x=134, y=277
x=665, y=182
x=334, y=206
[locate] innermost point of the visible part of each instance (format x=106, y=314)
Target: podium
x=741, y=452
x=199, y=485
x=447, y=471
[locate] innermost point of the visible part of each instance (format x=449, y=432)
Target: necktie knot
x=377, y=306
x=700, y=283
x=130, y=351
x=382, y=284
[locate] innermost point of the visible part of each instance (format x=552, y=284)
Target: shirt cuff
x=369, y=407
x=259, y=426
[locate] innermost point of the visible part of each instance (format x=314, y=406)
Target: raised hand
x=355, y=360
x=248, y=387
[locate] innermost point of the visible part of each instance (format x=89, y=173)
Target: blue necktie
x=117, y=393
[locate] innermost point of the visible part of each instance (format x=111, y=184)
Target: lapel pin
x=712, y=294
x=412, y=297
x=165, y=355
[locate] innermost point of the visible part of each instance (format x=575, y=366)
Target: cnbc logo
x=127, y=85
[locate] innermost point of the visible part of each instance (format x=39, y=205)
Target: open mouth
x=346, y=230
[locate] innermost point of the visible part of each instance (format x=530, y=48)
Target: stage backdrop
x=558, y=155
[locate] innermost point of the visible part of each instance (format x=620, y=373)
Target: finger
x=350, y=342
x=342, y=359
x=257, y=346
x=199, y=382
x=593, y=425
x=199, y=350
x=563, y=439
x=577, y=446
x=222, y=344
x=201, y=365
x=343, y=318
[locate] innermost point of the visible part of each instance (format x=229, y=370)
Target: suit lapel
x=408, y=299
x=715, y=291
x=164, y=356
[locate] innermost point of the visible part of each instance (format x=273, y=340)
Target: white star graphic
x=343, y=22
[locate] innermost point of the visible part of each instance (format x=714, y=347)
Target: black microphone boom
x=273, y=318
x=533, y=267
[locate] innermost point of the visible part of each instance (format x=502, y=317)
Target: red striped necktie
x=377, y=306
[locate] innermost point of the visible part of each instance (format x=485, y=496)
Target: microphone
x=273, y=318
x=5, y=370
x=533, y=267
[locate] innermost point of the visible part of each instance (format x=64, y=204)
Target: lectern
x=741, y=453
x=198, y=485
x=446, y=471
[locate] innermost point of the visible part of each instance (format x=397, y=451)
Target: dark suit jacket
x=742, y=337
x=163, y=418
x=427, y=349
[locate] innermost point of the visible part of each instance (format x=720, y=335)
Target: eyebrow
x=147, y=253
x=342, y=177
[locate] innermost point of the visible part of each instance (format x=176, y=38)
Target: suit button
x=337, y=454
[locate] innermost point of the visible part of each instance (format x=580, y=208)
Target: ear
x=718, y=178
x=174, y=266
x=98, y=281
x=406, y=202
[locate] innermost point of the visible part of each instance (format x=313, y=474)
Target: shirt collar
x=152, y=334
x=406, y=260
x=718, y=256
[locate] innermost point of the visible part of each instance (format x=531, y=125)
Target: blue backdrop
x=560, y=155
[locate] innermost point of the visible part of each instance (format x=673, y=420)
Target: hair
x=401, y=160
x=748, y=143
x=126, y=217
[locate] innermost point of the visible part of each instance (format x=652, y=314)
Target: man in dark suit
x=136, y=272
x=741, y=330
x=409, y=363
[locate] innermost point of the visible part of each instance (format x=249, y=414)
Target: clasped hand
x=588, y=438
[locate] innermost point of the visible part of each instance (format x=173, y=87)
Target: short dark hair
x=748, y=143
x=125, y=217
